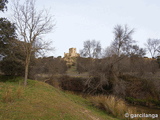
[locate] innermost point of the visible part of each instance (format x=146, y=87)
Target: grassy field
x=40, y=101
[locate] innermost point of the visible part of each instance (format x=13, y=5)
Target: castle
x=70, y=57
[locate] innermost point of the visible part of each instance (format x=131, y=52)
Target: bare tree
x=105, y=72
x=91, y=49
x=122, y=40
x=31, y=25
x=108, y=52
x=153, y=46
x=137, y=51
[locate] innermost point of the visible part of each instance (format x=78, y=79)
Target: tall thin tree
x=122, y=39
x=31, y=24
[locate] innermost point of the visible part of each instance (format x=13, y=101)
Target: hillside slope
x=40, y=101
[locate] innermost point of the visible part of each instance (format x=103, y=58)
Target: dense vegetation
x=120, y=72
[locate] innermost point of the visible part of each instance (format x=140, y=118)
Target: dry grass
x=10, y=95
x=115, y=106
x=7, y=95
x=111, y=104
x=19, y=92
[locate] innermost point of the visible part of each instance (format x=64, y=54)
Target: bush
x=12, y=67
x=9, y=78
x=47, y=65
x=72, y=83
x=112, y=105
x=144, y=102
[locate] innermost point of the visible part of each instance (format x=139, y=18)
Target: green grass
x=40, y=101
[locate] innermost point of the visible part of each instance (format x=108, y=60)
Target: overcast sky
x=81, y=20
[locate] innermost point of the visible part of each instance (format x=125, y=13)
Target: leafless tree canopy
x=91, y=49
x=122, y=39
x=122, y=57
x=31, y=25
x=153, y=46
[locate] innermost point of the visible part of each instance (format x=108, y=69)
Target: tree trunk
x=26, y=74
x=27, y=68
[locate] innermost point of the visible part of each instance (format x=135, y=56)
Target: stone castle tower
x=72, y=53
x=70, y=57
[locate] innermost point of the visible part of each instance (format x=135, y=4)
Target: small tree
x=122, y=40
x=137, y=51
x=153, y=46
x=31, y=25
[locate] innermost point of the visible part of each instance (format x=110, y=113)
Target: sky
x=81, y=20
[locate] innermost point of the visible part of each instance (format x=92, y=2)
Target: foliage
x=9, y=78
x=144, y=102
x=49, y=66
x=158, y=60
x=102, y=76
x=13, y=63
x=123, y=57
x=108, y=72
x=83, y=64
x=71, y=83
x=7, y=35
x=126, y=77
x=112, y=105
x=12, y=67
x=3, y=5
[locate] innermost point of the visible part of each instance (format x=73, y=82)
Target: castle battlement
x=72, y=53
x=69, y=57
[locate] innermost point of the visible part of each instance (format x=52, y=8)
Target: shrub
x=12, y=67
x=71, y=83
x=144, y=102
x=112, y=105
